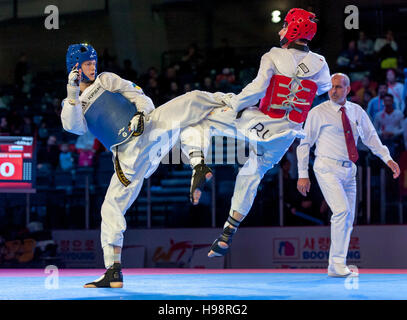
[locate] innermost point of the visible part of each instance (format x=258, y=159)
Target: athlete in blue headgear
x=118, y=114
x=77, y=54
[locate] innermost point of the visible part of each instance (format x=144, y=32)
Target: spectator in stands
x=386, y=49
x=15, y=122
x=153, y=91
x=291, y=156
x=298, y=210
x=367, y=85
x=27, y=128
x=105, y=59
x=174, y=92
x=207, y=84
x=247, y=73
x=290, y=185
x=225, y=80
x=128, y=71
x=405, y=88
x=388, y=124
x=43, y=132
x=66, y=160
x=85, y=141
x=165, y=81
x=48, y=155
x=187, y=87
x=376, y=104
x=46, y=99
x=404, y=126
x=56, y=102
x=4, y=127
x=365, y=45
x=53, y=117
x=37, y=119
x=152, y=73
x=20, y=71
x=145, y=77
x=3, y=105
x=395, y=89
x=363, y=150
x=350, y=59
x=387, y=40
x=113, y=66
x=27, y=84
x=85, y=148
x=192, y=60
x=53, y=111
x=367, y=97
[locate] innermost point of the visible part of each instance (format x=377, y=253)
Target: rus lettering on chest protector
x=259, y=128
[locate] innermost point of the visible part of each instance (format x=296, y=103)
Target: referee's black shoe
x=113, y=278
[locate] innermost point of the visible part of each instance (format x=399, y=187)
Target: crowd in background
x=379, y=76
x=32, y=106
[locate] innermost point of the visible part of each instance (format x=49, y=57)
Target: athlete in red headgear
x=286, y=84
x=300, y=25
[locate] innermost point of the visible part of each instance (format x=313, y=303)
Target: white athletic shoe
x=339, y=270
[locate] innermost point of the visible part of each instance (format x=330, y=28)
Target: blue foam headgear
x=79, y=53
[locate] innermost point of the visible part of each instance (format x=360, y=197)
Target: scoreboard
x=17, y=163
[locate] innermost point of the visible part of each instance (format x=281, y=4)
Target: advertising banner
x=272, y=247
x=308, y=247
x=156, y=248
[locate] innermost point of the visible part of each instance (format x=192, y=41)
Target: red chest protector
x=291, y=96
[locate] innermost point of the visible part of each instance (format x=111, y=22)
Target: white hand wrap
x=224, y=98
x=227, y=99
x=72, y=87
x=72, y=94
x=74, y=78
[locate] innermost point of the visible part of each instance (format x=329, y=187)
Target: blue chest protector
x=108, y=118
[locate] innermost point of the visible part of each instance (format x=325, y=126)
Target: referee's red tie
x=350, y=141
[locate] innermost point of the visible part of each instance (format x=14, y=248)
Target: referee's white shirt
x=324, y=127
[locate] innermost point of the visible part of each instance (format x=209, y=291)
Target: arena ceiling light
x=275, y=16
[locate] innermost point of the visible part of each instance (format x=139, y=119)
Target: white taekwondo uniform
x=106, y=108
x=286, y=83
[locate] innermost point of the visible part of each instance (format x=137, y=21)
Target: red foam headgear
x=300, y=24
